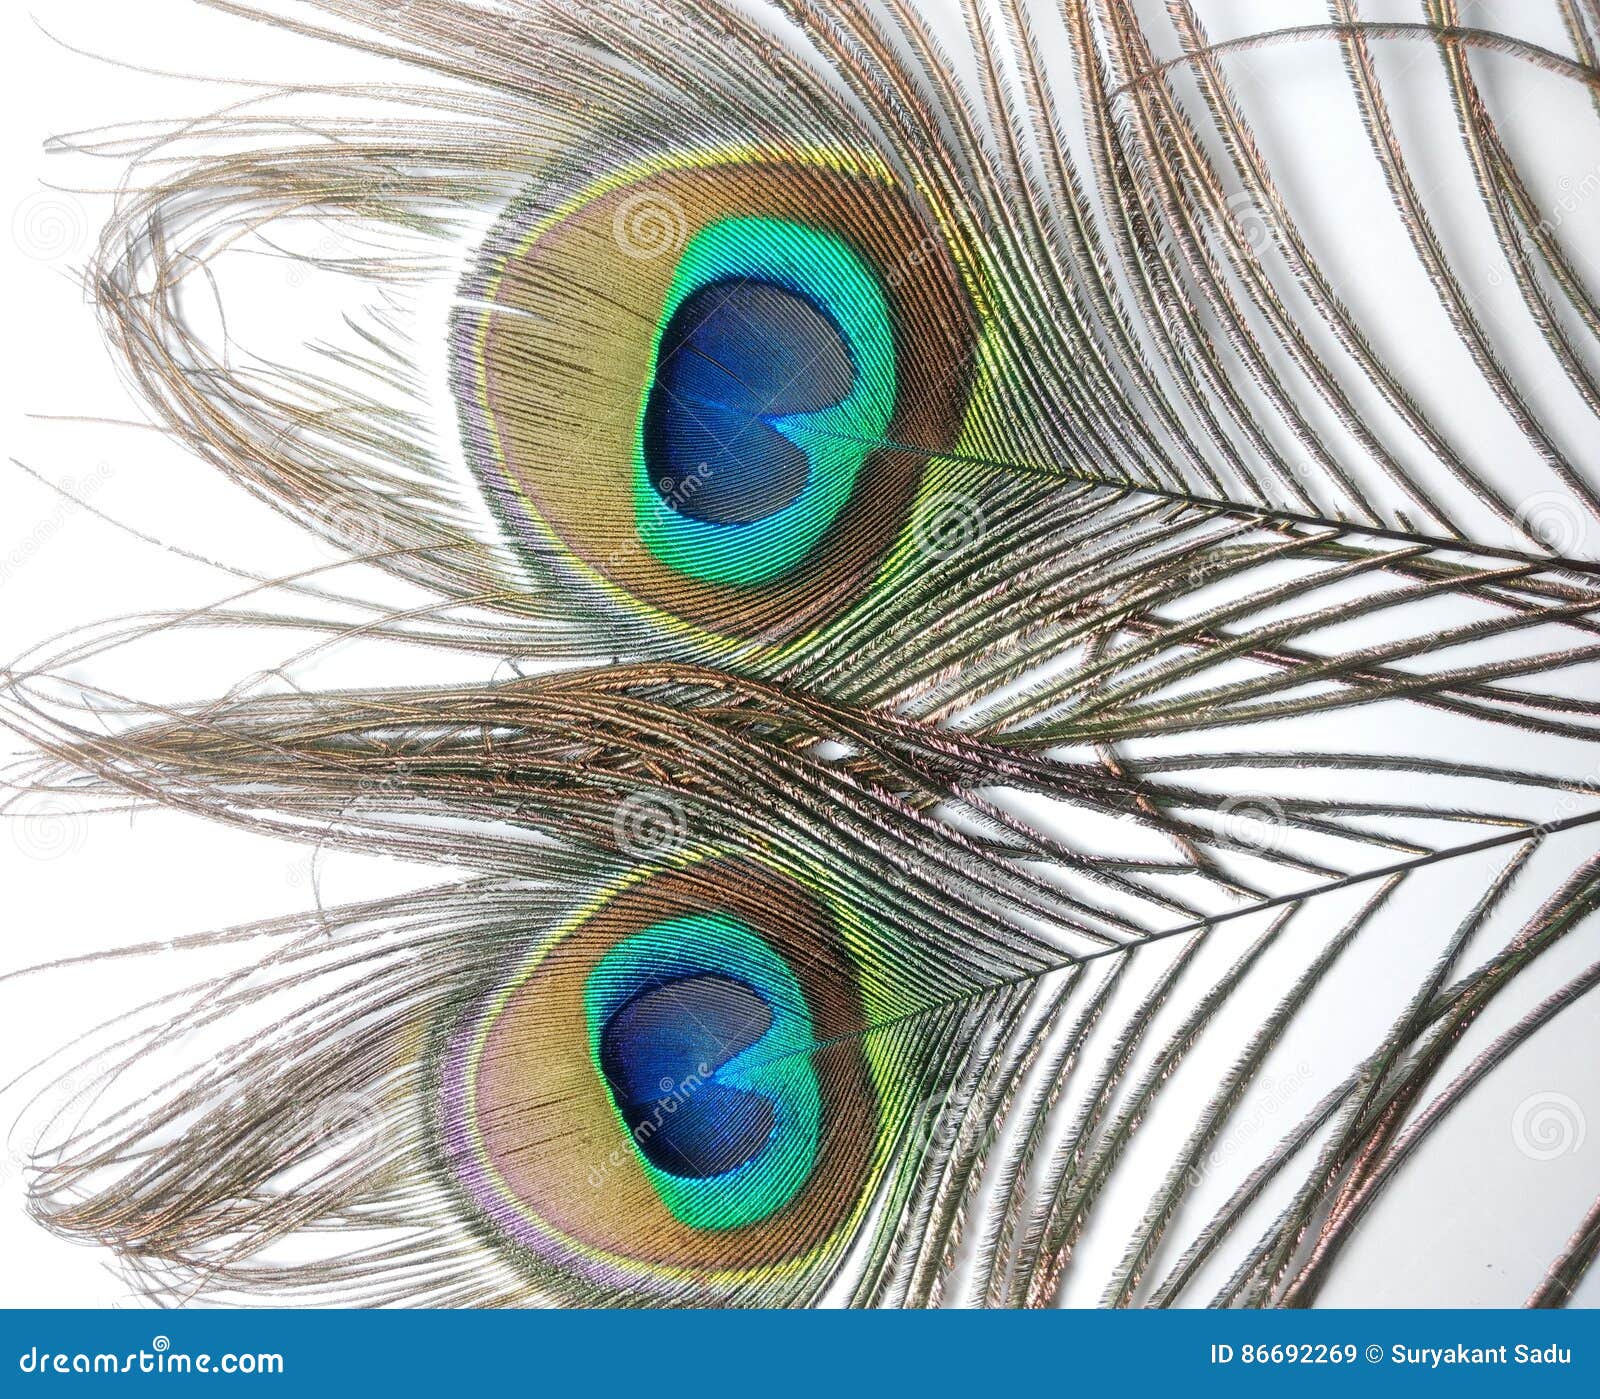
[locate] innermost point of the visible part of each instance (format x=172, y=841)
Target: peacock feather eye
x=677, y=1080
x=703, y=1037
x=724, y=423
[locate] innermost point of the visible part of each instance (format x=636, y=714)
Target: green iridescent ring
x=834, y=437
x=704, y=1039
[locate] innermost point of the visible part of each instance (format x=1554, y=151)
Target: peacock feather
x=1046, y=759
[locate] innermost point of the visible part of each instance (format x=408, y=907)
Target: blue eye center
x=656, y=1050
x=734, y=356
